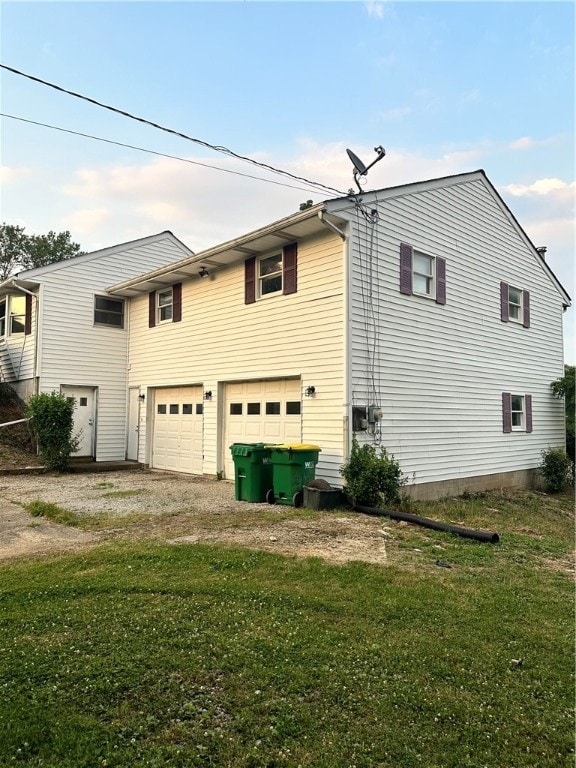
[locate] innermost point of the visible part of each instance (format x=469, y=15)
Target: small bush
x=52, y=512
x=52, y=422
x=557, y=469
x=372, y=478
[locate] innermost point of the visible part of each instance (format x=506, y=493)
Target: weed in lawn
x=103, y=485
x=52, y=512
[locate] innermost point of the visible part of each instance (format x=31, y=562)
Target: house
x=61, y=331
x=419, y=318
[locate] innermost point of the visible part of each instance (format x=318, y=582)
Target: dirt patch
x=176, y=509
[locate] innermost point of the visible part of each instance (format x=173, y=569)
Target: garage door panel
x=177, y=442
x=256, y=411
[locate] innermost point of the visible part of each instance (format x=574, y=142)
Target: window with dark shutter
x=250, y=280
x=28, y=316
x=152, y=309
x=290, y=266
x=177, y=302
x=406, y=269
x=514, y=305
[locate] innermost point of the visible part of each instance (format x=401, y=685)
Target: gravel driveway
x=176, y=509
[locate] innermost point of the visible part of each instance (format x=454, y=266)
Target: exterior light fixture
x=203, y=272
x=208, y=395
x=142, y=397
x=310, y=391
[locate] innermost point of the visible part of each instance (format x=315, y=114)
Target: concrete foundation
x=523, y=478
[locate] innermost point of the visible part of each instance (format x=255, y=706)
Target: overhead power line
x=214, y=147
x=153, y=152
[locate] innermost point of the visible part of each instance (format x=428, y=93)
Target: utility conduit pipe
x=426, y=522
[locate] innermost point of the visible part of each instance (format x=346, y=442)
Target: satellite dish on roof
x=359, y=168
x=357, y=163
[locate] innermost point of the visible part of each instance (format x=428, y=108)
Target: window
x=516, y=412
x=272, y=409
x=271, y=274
x=235, y=409
x=199, y=409
x=17, y=314
x=293, y=408
x=2, y=318
x=187, y=409
x=422, y=274
x=109, y=311
x=253, y=409
x=174, y=408
x=161, y=408
x=164, y=306
x=514, y=305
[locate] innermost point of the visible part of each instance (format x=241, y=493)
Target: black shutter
x=28, y=316
x=506, y=412
x=528, y=407
x=406, y=269
x=440, y=281
x=177, y=302
x=290, y=269
x=504, y=302
x=152, y=309
x=526, y=309
x=250, y=280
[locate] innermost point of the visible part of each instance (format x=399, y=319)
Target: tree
x=21, y=251
x=565, y=388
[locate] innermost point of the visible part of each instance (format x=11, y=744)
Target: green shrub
x=372, y=477
x=556, y=469
x=52, y=422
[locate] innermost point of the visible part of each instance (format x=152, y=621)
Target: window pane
x=517, y=402
x=84, y=401
x=293, y=408
x=108, y=305
x=514, y=296
x=273, y=409
x=187, y=409
x=108, y=318
x=516, y=419
x=423, y=264
x=161, y=409
x=271, y=285
x=199, y=409
x=166, y=313
x=422, y=284
x=174, y=408
x=271, y=265
x=164, y=298
x=235, y=409
x=253, y=409
x=17, y=305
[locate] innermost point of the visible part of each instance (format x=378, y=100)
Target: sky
x=445, y=88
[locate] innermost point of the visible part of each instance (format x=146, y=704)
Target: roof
x=28, y=277
x=263, y=240
x=304, y=223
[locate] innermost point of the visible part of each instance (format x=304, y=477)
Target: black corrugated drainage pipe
x=426, y=522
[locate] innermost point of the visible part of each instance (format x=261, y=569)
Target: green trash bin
x=293, y=467
x=252, y=471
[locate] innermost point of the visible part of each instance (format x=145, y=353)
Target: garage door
x=177, y=437
x=261, y=411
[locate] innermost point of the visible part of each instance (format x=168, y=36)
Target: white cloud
x=378, y=10
x=541, y=187
x=395, y=114
x=528, y=142
x=9, y=175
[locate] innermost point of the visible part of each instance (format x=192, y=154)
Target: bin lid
x=246, y=449
x=296, y=447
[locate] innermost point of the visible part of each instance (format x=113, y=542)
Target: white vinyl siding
x=439, y=371
x=73, y=351
x=221, y=340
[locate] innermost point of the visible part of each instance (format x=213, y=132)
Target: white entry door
x=178, y=430
x=261, y=412
x=84, y=417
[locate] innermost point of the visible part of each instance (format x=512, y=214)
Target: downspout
x=15, y=283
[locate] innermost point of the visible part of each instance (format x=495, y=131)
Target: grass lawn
x=144, y=654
